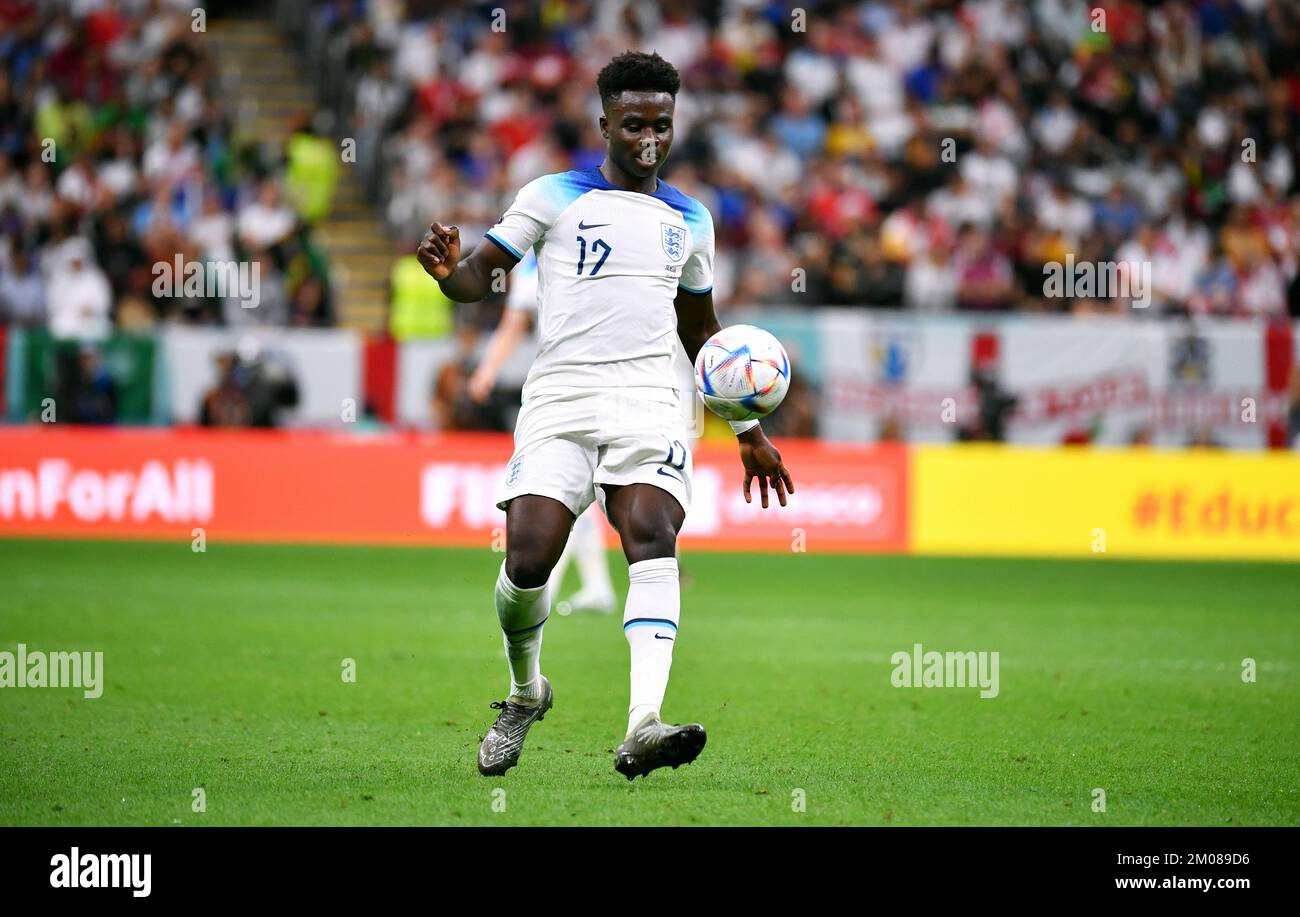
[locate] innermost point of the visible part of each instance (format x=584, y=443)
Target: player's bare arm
x=696, y=323
x=467, y=280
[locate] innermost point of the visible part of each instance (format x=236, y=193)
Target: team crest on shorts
x=674, y=240
x=512, y=476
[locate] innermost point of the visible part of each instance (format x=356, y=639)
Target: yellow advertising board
x=1198, y=503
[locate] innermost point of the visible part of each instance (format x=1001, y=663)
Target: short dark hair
x=636, y=71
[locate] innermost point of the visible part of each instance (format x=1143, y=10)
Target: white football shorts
x=568, y=443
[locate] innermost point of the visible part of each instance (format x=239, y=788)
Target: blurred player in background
x=586, y=545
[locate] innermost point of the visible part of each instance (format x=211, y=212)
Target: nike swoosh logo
x=669, y=474
x=582, y=225
x=662, y=637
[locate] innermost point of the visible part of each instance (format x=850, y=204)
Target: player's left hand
x=762, y=460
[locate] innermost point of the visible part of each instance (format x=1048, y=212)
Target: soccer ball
x=742, y=373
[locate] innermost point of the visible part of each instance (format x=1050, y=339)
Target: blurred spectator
x=265, y=221
x=995, y=407
x=309, y=305
x=418, y=309
x=313, y=169
x=931, y=282
x=860, y=274
x=454, y=407
x=226, y=404
x=270, y=303
x=80, y=297
x=22, y=292
x=172, y=158
x=251, y=391
x=214, y=229
x=114, y=140
x=83, y=387
x=119, y=254
x=983, y=273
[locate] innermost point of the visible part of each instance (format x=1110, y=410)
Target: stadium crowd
x=931, y=155
x=116, y=155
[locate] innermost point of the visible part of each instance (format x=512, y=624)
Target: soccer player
x=625, y=270
x=586, y=544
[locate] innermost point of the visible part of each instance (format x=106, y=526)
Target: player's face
x=638, y=127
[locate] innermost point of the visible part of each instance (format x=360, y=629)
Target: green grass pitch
x=223, y=671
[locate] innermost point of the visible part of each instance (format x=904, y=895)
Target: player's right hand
x=439, y=251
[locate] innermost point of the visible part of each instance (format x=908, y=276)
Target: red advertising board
x=396, y=488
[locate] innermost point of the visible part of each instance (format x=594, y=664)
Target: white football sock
x=522, y=612
x=654, y=606
x=588, y=544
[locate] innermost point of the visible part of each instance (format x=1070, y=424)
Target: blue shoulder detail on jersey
x=696, y=216
x=579, y=181
x=563, y=188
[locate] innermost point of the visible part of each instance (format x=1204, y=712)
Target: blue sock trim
x=649, y=622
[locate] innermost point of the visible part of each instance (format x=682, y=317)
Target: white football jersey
x=609, y=264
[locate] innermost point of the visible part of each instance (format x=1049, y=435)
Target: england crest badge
x=674, y=241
